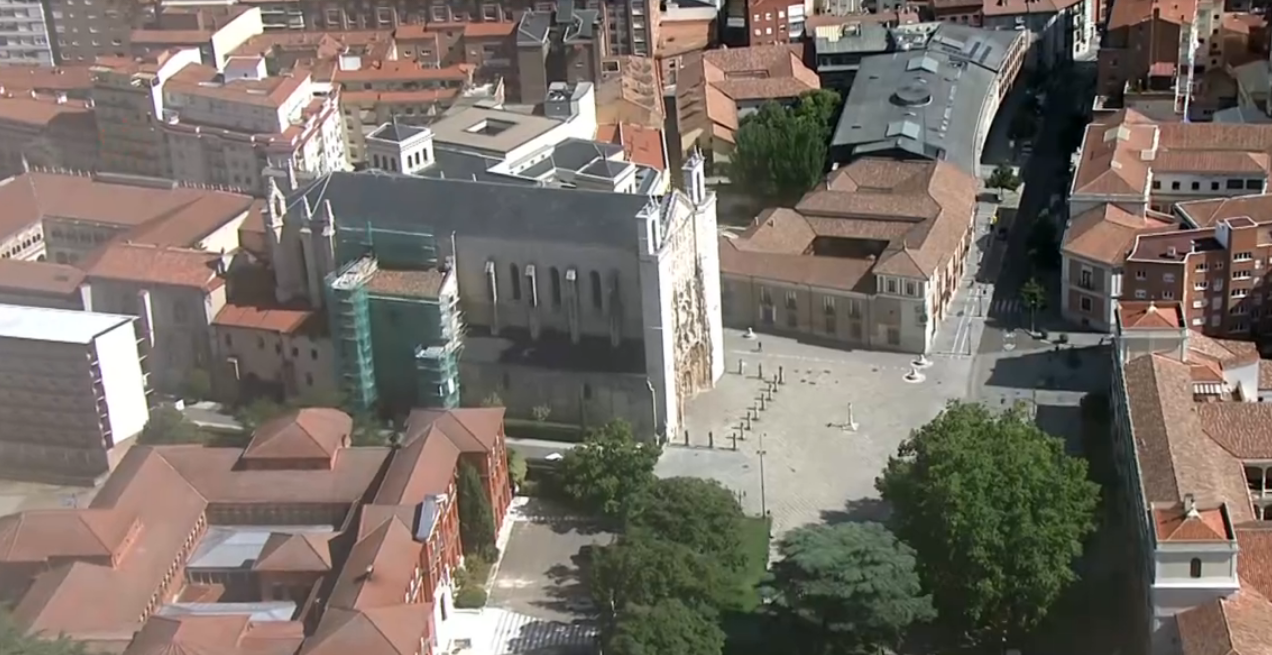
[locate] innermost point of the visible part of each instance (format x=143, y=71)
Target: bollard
x=760, y=368
x=741, y=367
x=781, y=375
x=710, y=439
x=748, y=423
x=686, y=437
x=762, y=407
x=734, y=436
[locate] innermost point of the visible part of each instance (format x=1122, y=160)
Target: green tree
x=1003, y=178
x=15, y=641
x=609, y=471
x=848, y=588
x=493, y=400
x=639, y=569
x=476, y=516
x=197, y=385
x=1034, y=296
x=695, y=512
x=167, y=425
x=665, y=628
x=253, y=414
x=516, y=468
x=780, y=154
x=821, y=106
x=996, y=512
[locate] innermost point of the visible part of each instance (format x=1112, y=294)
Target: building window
x=598, y=292
x=555, y=276
x=1194, y=568
x=260, y=343
x=1196, y=186
x=911, y=289
x=1157, y=184
x=1242, y=257
x=1233, y=185
x=1174, y=186
x=1168, y=278
x=1214, y=186
x=515, y=273
x=1085, y=304
x=1141, y=275
x=1141, y=294
x=892, y=286
x=229, y=341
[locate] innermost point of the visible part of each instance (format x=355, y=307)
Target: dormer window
x=1194, y=568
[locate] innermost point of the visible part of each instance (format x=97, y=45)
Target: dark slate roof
x=925, y=101
x=468, y=208
x=605, y=168
x=396, y=132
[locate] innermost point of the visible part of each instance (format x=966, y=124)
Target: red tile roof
x=308, y=433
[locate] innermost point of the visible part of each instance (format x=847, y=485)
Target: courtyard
x=816, y=465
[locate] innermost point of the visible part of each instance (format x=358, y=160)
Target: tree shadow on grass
x=859, y=510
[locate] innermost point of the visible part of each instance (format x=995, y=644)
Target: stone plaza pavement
x=816, y=467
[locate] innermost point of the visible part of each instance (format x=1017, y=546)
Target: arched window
x=1194, y=567
x=556, y=287
x=598, y=292
x=515, y=272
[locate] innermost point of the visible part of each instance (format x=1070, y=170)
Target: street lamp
x=763, y=495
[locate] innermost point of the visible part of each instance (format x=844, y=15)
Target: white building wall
x=657, y=287
x=25, y=32
x=123, y=381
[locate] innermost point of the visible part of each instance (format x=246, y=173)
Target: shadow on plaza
x=1058, y=368
x=858, y=510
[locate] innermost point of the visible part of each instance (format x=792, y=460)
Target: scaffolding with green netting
x=397, y=326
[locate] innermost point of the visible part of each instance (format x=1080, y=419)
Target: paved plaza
x=815, y=464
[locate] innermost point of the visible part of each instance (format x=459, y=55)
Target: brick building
x=223, y=549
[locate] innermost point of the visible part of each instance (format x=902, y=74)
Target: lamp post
x=653, y=406
x=763, y=495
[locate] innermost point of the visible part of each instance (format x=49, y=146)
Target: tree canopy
x=476, y=516
x=664, y=628
x=609, y=471
x=639, y=569
x=1003, y=177
x=996, y=512
x=780, y=152
x=848, y=588
x=695, y=512
x=167, y=425
x=14, y=641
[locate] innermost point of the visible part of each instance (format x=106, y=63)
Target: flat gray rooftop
x=236, y=547
x=489, y=130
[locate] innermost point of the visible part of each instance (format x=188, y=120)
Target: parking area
x=540, y=573
x=825, y=434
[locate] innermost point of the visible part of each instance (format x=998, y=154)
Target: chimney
x=61, y=98
x=1152, y=307
x=1190, y=507
x=1172, y=252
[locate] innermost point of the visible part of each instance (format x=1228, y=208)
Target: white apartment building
x=556, y=149
x=220, y=127
x=24, y=36
x=72, y=387
x=1059, y=30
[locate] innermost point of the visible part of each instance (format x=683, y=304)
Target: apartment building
x=774, y=22
x=1132, y=177
x=1059, y=31
x=24, y=35
x=566, y=45
x=840, y=43
x=73, y=386
x=1149, y=45
x=872, y=259
x=615, y=315
x=226, y=549
x=557, y=149
x=46, y=131
x=717, y=88
x=1189, y=433
x=172, y=116
x=214, y=32
x=88, y=30
x=375, y=92
x=128, y=103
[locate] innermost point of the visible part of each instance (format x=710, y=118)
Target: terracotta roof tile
x=1173, y=524
x=920, y=210
x=307, y=433
x=396, y=630
x=379, y=569
x=1243, y=429
x=1211, y=211
x=1127, y=13
x=284, y=319
x=641, y=145
x=234, y=634
x=1106, y=233
x=215, y=473
x=40, y=277
x=145, y=264
x=1150, y=315
x=295, y=552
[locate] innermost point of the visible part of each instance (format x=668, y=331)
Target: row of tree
x=678, y=559
x=988, y=516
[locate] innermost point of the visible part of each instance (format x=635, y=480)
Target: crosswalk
x=516, y=633
x=1002, y=306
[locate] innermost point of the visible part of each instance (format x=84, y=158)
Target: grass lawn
x=755, y=543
